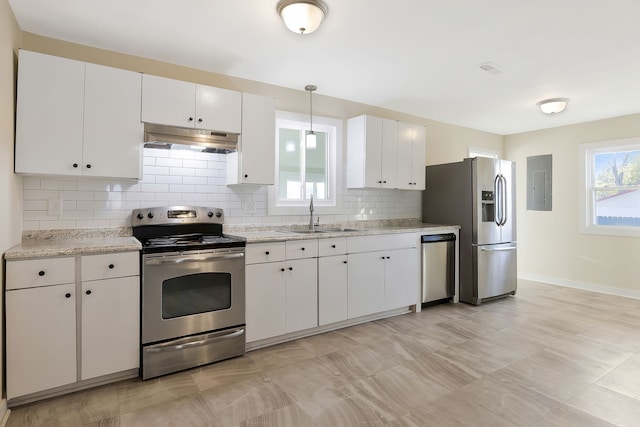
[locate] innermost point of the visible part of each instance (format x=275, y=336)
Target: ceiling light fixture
x=553, y=105
x=310, y=136
x=302, y=16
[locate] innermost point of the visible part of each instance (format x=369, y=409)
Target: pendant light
x=310, y=136
x=302, y=16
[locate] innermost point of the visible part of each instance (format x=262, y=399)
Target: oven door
x=186, y=293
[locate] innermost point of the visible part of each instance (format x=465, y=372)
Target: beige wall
x=549, y=243
x=445, y=143
x=10, y=185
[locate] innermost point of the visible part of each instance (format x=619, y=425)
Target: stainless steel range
x=193, y=291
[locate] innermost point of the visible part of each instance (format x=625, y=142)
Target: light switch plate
x=54, y=207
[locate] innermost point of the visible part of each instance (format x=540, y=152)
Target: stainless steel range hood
x=166, y=137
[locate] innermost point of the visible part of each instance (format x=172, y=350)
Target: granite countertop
x=282, y=234
x=72, y=242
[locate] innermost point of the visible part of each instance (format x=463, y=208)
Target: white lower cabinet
x=365, y=284
x=401, y=278
x=281, y=296
x=332, y=289
x=110, y=332
x=44, y=320
x=41, y=338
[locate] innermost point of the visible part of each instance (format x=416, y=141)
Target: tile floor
x=549, y=356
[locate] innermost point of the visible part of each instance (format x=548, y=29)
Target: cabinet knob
x=333, y=246
x=88, y=292
x=75, y=165
x=200, y=120
x=379, y=182
x=388, y=257
x=384, y=182
x=344, y=262
x=290, y=268
x=111, y=266
x=190, y=119
x=41, y=273
x=302, y=249
x=88, y=166
x=246, y=175
x=381, y=257
x=266, y=253
x=67, y=295
x=282, y=269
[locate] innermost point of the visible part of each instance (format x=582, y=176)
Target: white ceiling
x=419, y=57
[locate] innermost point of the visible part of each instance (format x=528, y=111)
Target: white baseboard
x=4, y=413
x=629, y=293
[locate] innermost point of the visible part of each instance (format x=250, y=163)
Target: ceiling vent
x=490, y=68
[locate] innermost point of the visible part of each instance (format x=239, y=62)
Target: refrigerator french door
x=479, y=195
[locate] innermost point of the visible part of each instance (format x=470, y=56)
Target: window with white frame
x=610, y=187
x=303, y=169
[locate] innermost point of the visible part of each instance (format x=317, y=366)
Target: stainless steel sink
x=304, y=231
x=341, y=230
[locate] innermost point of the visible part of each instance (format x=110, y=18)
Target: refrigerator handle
x=503, y=200
x=498, y=200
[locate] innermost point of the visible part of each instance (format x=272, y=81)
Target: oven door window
x=196, y=293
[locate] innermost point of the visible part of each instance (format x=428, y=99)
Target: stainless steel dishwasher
x=438, y=267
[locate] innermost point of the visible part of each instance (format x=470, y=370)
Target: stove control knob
x=210, y=214
x=218, y=214
x=150, y=215
x=140, y=216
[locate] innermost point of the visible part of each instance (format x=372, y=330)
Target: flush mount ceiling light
x=302, y=16
x=310, y=137
x=553, y=105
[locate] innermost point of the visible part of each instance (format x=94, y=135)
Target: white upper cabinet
x=372, y=145
x=49, y=115
x=75, y=118
x=411, y=156
x=112, y=130
x=383, y=153
x=189, y=105
x=254, y=162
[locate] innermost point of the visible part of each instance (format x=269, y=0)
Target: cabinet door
x=301, y=294
x=402, y=278
x=332, y=289
x=411, y=157
x=113, y=133
x=49, y=115
x=257, y=141
x=41, y=339
x=110, y=326
x=373, y=152
x=388, y=165
x=265, y=300
x=168, y=102
x=218, y=109
x=365, y=284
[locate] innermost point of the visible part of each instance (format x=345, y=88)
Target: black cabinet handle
x=382, y=257
x=88, y=166
x=384, y=182
x=200, y=120
x=111, y=266
x=379, y=182
x=344, y=262
x=190, y=119
x=290, y=268
x=75, y=165
x=388, y=257
x=67, y=295
x=302, y=249
x=41, y=273
x=88, y=292
x=282, y=269
x=266, y=253
x=333, y=246
x=246, y=175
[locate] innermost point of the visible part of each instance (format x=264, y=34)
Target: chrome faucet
x=311, y=226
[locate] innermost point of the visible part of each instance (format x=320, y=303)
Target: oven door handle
x=209, y=339
x=179, y=259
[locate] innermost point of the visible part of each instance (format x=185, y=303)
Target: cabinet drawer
x=297, y=249
x=109, y=266
x=381, y=242
x=40, y=272
x=265, y=252
x=336, y=246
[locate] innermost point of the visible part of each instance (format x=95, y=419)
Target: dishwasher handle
x=434, y=238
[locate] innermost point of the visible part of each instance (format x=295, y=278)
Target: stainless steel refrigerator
x=479, y=195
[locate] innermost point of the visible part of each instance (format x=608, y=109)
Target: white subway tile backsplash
x=183, y=178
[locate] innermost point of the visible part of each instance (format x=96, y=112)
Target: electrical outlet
x=55, y=207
